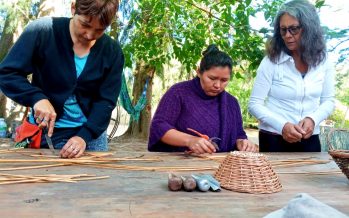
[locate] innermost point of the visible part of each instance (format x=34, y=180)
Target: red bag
x=28, y=134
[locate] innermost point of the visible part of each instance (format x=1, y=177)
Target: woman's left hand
x=307, y=125
x=246, y=145
x=74, y=148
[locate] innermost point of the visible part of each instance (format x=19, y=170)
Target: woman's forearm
x=177, y=138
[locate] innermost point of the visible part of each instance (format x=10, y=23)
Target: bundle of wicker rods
x=6, y=179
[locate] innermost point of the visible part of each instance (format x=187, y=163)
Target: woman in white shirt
x=294, y=87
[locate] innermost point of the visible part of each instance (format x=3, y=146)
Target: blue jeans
x=61, y=136
x=98, y=144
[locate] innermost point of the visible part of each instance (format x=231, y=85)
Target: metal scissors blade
x=214, y=143
x=206, y=137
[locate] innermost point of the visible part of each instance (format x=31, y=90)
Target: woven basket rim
x=339, y=153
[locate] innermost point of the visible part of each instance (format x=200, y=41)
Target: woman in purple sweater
x=203, y=105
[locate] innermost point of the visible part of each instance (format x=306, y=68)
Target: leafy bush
x=241, y=89
x=338, y=116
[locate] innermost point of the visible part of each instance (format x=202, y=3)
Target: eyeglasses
x=293, y=30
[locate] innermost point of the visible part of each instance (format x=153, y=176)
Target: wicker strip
x=338, y=148
x=247, y=172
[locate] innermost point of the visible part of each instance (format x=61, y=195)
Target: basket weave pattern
x=247, y=172
x=338, y=148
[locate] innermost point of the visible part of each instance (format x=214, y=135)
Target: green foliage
x=241, y=88
x=342, y=87
x=270, y=9
x=338, y=117
x=20, y=12
x=166, y=30
x=319, y=3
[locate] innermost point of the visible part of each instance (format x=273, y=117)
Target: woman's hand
x=246, y=145
x=292, y=133
x=200, y=146
x=45, y=115
x=307, y=125
x=74, y=148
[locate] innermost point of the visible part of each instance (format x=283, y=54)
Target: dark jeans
x=271, y=142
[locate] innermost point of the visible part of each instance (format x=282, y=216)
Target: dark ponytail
x=213, y=57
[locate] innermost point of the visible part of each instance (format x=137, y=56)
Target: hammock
x=126, y=102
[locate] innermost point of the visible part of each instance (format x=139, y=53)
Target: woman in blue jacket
x=76, y=72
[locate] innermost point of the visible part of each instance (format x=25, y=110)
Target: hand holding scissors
x=203, y=145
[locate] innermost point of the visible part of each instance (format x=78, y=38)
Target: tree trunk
x=3, y=102
x=6, y=43
x=6, y=40
x=140, y=128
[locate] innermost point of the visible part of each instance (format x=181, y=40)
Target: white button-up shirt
x=280, y=94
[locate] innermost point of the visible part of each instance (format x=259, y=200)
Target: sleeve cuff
x=156, y=133
x=85, y=134
x=315, y=120
x=36, y=98
x=280, y=126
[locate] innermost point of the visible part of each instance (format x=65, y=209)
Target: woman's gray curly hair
x=312, y=44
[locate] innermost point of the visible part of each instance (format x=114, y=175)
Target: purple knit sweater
x=185, y=105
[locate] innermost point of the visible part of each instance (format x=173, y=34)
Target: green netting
x=338, y=139
x=23, y=144
x=126, y=102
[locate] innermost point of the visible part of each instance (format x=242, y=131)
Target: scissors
x=206, y=137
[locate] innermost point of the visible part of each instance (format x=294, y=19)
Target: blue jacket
x=45, y=50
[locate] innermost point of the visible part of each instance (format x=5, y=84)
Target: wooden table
x=145, y=193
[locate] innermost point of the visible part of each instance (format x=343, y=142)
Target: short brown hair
x=104, y=10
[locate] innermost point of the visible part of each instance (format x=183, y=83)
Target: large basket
x=338, y=148
x=247, y=172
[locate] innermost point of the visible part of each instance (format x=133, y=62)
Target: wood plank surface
x=145, y=194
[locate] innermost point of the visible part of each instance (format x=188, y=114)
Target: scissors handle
x=199, y=134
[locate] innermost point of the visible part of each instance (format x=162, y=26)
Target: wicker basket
x=338, y=148
x=247, y=172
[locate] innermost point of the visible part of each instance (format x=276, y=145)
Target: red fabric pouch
x=28, y=132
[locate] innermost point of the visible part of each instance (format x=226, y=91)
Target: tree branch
x=211, y=15
x=208, y=12
x=341, y=42
x=21, y=11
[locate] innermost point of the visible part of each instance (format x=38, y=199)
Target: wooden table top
x=145, y=194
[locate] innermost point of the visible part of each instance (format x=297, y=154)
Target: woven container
x=247, y=172
x=338, y=148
